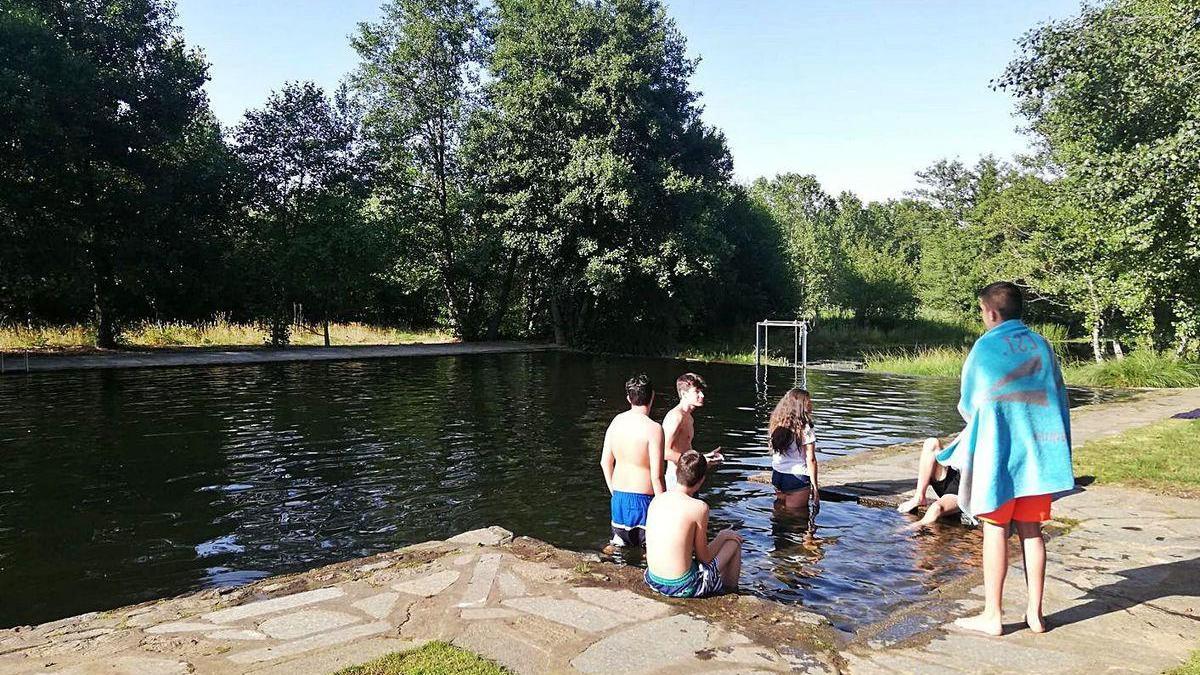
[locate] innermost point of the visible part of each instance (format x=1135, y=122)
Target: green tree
x=958, y=256
x=602, y=170
x=419, y=81
x=805, y=215
x=105, y=133
x=308, y=238
x=1113, y=95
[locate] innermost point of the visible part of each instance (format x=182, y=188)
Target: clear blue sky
x=860, y=93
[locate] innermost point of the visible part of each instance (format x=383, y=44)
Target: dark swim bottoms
x=786, y=482
x=701, y=581
x=629, y=517
x=947, y=485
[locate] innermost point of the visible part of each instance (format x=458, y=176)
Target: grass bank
x=215, y=334
x=1139, y=369
x=435, y=658
x=1164, y=457
x=832, y=338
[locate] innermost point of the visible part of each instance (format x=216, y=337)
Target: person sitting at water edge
x=680, y=562
x=679, y=424
x=944, y=481
x=793, y=444
x=1015, y=451
x=632, y=462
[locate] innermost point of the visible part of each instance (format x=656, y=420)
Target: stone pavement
x=1123, y=581
x=513, y=602
x=16, y=362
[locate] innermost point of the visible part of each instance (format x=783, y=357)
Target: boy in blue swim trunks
x=632, y=461
x=680, y=561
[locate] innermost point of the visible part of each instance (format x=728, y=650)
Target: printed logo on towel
x=1021, y=383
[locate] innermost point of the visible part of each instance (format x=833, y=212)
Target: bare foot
x=918, y=525
x=988, y=624
x=1035, y=622
x=910, y=505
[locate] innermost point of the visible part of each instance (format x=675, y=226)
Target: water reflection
x=122, y=486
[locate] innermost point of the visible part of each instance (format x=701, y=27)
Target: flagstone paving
x=1122, y=594
x=518, y=605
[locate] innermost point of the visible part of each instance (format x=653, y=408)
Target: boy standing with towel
x=1015, y=451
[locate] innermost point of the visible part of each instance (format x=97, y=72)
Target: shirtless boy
x=678, y=424
x=680, y=561
x=632, y=462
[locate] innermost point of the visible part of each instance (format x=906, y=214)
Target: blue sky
x=861, y=93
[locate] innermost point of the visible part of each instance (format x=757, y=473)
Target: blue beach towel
x=1017, y=441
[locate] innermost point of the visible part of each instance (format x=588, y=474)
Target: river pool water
x=119, y=486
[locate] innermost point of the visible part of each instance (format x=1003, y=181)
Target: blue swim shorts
x=629, y=517
x=701, y=581
x=786, y=482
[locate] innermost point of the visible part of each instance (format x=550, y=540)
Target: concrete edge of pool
x=16, y=363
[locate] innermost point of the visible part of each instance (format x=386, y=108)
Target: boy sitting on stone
x=680, y=561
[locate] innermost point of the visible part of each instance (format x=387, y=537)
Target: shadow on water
x=127, y=485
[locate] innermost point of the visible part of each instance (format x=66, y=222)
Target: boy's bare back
x=636, y=443
x=673, y=525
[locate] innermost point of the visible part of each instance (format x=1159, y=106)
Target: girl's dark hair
x=788, y=420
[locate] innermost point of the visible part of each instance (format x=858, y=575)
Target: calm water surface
x=128, y=485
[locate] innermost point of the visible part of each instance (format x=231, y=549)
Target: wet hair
x=689, y=381
x=789, y=419
x=1004, y=298
x=690, y=468
x=638, y=390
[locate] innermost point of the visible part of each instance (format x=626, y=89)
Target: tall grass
x=1139, y=369
x=926, y=362
x=215, y=334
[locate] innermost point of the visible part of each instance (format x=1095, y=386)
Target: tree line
x=541, y=169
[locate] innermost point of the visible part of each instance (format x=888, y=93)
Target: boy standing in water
x=678, y=425
x=632, y=461
x=680, y=561
x=1015, y=451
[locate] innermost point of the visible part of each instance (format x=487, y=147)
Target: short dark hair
x=1005, y=298
x=690, y=468
x=689, y=381
x=638, y=390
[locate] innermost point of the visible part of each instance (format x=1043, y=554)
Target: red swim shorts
x=1032, y=509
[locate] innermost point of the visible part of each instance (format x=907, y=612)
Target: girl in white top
x=794, y=451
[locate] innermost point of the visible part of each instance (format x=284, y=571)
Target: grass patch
x=1164, y=456
x=214, y=334
x=1192, y=667
x=435, y=658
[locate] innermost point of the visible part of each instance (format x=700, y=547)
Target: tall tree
x=97, y=101
x=419, y=81
x=805, y=215
x=1113, y=94
x=604, y=168
x=309, y=236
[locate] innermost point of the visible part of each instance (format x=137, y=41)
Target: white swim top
x=792, y=461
